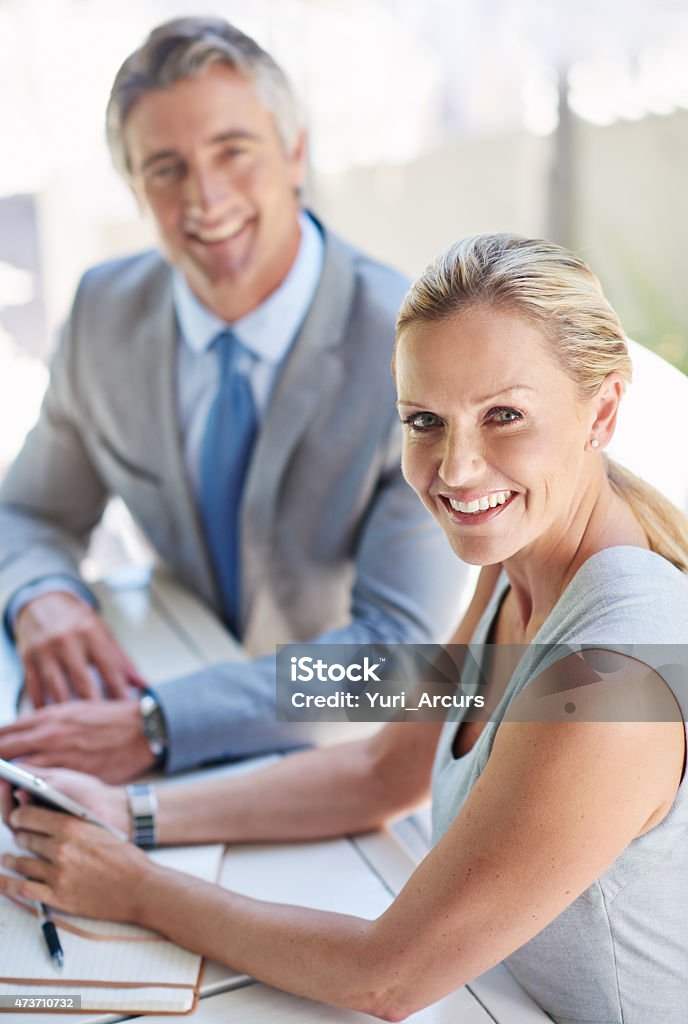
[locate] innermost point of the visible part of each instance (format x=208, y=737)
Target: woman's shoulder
x=627, y=562
x=623, y=595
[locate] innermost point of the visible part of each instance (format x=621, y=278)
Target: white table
x=168, y=632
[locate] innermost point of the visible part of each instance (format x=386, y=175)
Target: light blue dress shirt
x=267, y=333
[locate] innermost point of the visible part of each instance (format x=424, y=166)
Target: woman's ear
x=606, y=407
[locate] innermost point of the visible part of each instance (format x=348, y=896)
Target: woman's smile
x=474, y=511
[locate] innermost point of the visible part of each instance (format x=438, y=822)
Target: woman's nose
x=462, y=460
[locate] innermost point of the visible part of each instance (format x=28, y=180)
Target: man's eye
x=421, y=421
x=503, y=414
x=164, y=173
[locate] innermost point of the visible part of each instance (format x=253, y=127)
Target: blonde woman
x=561, y=846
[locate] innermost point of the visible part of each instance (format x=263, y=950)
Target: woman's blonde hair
x=555, y=289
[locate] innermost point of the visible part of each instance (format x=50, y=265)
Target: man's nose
x=205, y=188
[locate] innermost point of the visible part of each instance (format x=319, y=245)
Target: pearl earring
x=594, y=443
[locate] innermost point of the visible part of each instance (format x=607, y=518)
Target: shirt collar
x=269, y=329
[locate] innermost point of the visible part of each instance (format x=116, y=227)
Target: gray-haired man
x=255, y=306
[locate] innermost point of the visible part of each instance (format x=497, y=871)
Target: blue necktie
x=229, y=434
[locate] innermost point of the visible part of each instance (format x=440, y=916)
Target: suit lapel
x=313, y=365
x=158, y=356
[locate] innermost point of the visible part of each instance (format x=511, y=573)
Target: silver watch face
x=153, y=725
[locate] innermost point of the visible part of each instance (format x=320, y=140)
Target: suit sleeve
x=52, y=495
x=409, y=588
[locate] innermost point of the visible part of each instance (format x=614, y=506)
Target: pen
x=52, y=939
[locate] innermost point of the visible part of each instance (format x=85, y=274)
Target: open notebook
x=113, y=967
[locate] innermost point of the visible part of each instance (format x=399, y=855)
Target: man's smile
x=218, y=232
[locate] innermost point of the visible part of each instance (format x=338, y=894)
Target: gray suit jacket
x=333, y=540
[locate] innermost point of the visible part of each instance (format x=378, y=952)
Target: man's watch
x=154, y=728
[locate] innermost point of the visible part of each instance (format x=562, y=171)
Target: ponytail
x=665, y=526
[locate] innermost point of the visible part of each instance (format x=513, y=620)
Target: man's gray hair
x=184, y=47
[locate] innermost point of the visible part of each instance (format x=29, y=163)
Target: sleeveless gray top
x=619, y=953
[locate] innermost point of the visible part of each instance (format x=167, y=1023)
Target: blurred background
x=429, y=119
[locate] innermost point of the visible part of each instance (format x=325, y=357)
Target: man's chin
x=229, y=288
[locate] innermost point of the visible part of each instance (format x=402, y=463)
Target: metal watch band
x=143, y=806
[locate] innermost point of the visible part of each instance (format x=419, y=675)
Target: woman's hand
x=74, y=866
x=107, y=802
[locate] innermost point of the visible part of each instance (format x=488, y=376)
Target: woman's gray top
x=619, y=953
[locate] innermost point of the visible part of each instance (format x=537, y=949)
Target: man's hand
x=103, y=738
x=61, y=639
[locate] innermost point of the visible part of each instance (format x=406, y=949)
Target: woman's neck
x=540, y=573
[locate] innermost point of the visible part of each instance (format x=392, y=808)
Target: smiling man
x=236, y=393
x=205, y=157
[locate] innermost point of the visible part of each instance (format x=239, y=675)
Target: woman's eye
x=503, y=414
x=421, y=421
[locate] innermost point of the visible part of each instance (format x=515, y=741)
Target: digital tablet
x=43, y=793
